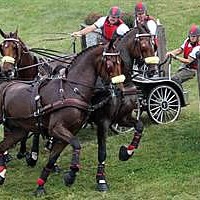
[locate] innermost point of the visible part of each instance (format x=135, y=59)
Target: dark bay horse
x=20, y=63
x=61, y=107
x=118, y=107
x=135, y=45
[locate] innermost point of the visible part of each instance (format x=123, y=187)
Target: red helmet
x=114, y=12
x=194, y=31
x=140, y=8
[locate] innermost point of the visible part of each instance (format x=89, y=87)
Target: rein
x=52, y=56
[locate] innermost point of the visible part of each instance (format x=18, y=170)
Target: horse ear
x=1, y=50
x=16, y=32
x=4, y=35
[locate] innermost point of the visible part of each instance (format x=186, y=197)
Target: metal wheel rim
x=164, y=104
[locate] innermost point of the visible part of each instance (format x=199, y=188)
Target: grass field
x=165, y=167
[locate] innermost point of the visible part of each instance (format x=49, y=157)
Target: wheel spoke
x=172, y=97
x=175, y=100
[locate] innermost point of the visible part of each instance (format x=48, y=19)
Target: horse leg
x=63, y=137
x=7, y=156
x=102, y=129
x=70, y=176
x=48, y=147
x=54, y=155
x=22, y=151
x=10, y=139
x=126, y=152
x=32, y=157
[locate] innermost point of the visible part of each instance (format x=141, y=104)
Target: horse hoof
x=56, y=169
x=69, y=178
x=2, y=180
x=123, y=154
x=29, y=160
x=20, y=155
x=102, y=187
x=40, y=191
x=7, y=158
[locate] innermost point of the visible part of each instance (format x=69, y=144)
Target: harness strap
x=130, y=91
x=7, y=85
x=70, y=102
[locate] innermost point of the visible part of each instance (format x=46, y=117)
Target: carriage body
x=161, y=96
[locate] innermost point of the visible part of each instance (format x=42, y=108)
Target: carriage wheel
x=164, y=104
x=121, y=129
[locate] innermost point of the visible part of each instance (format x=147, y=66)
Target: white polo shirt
x=121, y=29
x=194, y=51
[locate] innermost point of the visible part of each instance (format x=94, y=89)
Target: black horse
x=136, y=45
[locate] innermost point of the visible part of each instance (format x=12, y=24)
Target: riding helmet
x=194, y=31
x=140, y=8
x=114, y=12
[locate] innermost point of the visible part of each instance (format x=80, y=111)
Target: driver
x=141, y=17
x=111, y=25
x=188, y=67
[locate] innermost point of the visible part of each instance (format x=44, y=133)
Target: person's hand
x=170, y=54
x=76, y=34
x=173, y=56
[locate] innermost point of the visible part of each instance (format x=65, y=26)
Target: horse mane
x=83, y=52
x=141, y=28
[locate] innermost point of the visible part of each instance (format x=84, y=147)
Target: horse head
x=135, y=46
x=13, y=51
x=112, y=61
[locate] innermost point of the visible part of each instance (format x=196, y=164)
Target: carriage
x=165, y=95
x=161, y=97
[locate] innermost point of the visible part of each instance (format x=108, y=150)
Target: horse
x=135, y=45
x=25, y=66
x=61, y=106
x=20, y=63
x=118, y=107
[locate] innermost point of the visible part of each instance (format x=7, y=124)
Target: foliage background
x=166, y=166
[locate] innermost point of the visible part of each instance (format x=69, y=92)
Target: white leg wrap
x=34, y=155
x=130, y=152
x=3, y=173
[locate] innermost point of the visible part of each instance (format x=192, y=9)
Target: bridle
x=111, y=60
x=137, y=39
x=14, y=61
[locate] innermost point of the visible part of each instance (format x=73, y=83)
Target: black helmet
x=114, y=12
x=140, y=8
x=194, y=31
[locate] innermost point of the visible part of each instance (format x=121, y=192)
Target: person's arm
x=175, y=52
x=184, y=60
x=191, y=57
x=84, y=31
